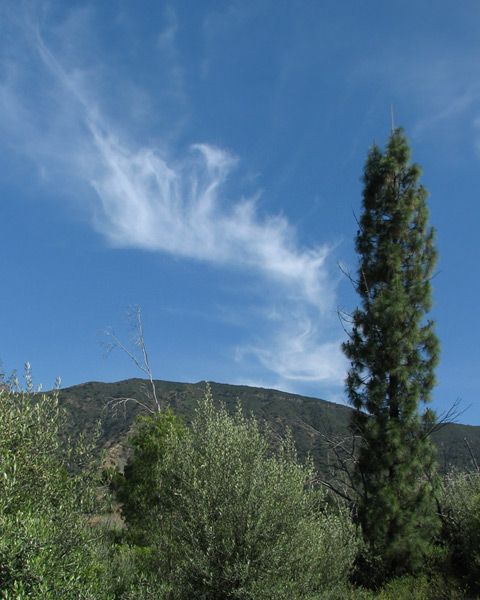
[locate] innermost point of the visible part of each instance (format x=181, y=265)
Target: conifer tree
x=393, y=352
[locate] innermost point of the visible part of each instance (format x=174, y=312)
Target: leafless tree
x=138, y=354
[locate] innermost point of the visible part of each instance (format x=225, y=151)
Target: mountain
x=312, y=421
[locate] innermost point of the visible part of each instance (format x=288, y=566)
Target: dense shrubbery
x=211, y=512
x=48, y=549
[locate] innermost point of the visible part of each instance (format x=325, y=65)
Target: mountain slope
x=309, y=419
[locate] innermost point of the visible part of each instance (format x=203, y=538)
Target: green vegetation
x=459, y=502
x=307, y=418
x=230, y=518
x=218, y=508
x=393, y=352
x=146, y=489
x=48, y=548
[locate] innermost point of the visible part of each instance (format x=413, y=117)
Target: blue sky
x=203, y=159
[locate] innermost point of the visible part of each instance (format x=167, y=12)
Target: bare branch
x=343, y=494
x=446, y=418
x=348, y=275
x=340, y=472
x=344, y=317
x=143, y=364
x=115, y=403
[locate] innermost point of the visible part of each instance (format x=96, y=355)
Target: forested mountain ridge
x=310, y=420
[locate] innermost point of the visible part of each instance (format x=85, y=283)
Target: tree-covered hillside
x=309, y=419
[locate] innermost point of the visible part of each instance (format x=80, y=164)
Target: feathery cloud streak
x=148, y=203
x=149, y=199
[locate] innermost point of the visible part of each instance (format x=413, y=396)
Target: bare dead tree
x=111, y=341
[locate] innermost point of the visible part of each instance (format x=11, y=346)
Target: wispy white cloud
x=180, y=203
x=177, y=207
x=455, y=107
x=299, y=352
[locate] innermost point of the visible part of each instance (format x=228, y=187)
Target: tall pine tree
x=393, y=352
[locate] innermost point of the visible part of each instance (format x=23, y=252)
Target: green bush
x=145, y=491
x=131, y=575
x=234, y=520
x=460, y=509
x=419, y=588
x=47, y=546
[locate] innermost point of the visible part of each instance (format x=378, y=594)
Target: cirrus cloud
x=181, y=203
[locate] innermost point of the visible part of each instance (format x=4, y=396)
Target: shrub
x=238, y=521
x=419, y=588
x=47, y=547
x=460, y=509
x=145, y=491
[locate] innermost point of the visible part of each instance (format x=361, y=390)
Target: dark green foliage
x=146, y=491
x=393, y=353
